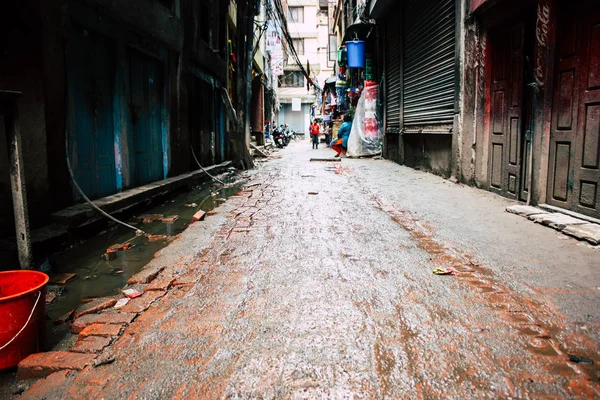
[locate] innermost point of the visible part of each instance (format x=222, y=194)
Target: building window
x=296, y=14
x=292, y=79
x=333, y=47
x=299, y=46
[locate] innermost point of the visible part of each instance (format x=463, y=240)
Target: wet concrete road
x=317, y=283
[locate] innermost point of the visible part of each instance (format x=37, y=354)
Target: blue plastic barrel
x=356, y=54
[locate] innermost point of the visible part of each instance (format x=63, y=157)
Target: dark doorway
x=202, y=121
x=510, y=108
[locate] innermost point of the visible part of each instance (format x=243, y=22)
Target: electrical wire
x=278, y=15
x=138, y=231
x=87, y=200
x=202, y=168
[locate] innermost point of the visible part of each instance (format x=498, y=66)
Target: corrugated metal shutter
x=393, y=79
x=429, y=62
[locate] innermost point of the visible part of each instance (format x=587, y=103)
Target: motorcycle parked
x=293, y=135
x=278, y=137
x=287, y=136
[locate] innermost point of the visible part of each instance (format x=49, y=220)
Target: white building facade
x=308, y=25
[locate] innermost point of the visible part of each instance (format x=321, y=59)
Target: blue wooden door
x=91, y=77
x=146, y=89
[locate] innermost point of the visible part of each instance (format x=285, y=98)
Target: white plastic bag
x=366, y=136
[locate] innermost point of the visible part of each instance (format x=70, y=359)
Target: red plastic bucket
x=22, y=328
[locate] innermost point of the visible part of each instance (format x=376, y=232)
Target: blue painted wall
x=91, y=88
x=118, y=110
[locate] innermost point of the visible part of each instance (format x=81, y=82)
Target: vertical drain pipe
x=8, y=107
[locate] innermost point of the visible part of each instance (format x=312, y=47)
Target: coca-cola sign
x=541, y=33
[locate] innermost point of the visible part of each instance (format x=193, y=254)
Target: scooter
x=287, y=136
x=278, y=138
x=293, y=135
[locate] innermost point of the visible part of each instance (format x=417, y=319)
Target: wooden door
x=506, y=110
x=575, y=146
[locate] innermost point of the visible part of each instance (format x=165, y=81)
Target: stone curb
x=568, y=225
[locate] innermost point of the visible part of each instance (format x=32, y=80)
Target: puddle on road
x=96, y=277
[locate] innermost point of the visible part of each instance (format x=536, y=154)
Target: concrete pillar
x=8, y=107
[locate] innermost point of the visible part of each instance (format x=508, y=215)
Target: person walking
x=341, y=143
x=314, y=134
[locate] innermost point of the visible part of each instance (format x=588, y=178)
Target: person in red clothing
x=314, y=134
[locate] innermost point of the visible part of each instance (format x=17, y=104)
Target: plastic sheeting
x=366, y=136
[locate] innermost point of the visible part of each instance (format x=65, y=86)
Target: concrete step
x=570, y=223
x=80, y=214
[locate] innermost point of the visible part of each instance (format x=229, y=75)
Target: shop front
x=357, y=91
x=420, y=81
x=539, y=117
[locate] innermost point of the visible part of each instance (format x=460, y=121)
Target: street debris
x=199, y=216
x=132, y=293
x=90, y=277
x=326, y=159
x=116, y=271
x=121, y=303
x=119, y=247
x=154, y=238
x=170, y=219
x=258, y=151
x=62, y=279
x=313, y=193
x=191, y=205
x=111, y=252
x=150, y=218
x=50, y=298
x=581, y=359
x=446, y=271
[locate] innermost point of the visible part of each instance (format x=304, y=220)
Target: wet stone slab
x=524, y=211
x=101, y=330
x=329, y=297
x=146, y=275
x=103, y=318
x=557, y=221
x=588, y=232
x=91, y=344
x=94, y=306
x=42, y=364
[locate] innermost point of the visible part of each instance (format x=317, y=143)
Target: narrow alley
x=316, y=282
